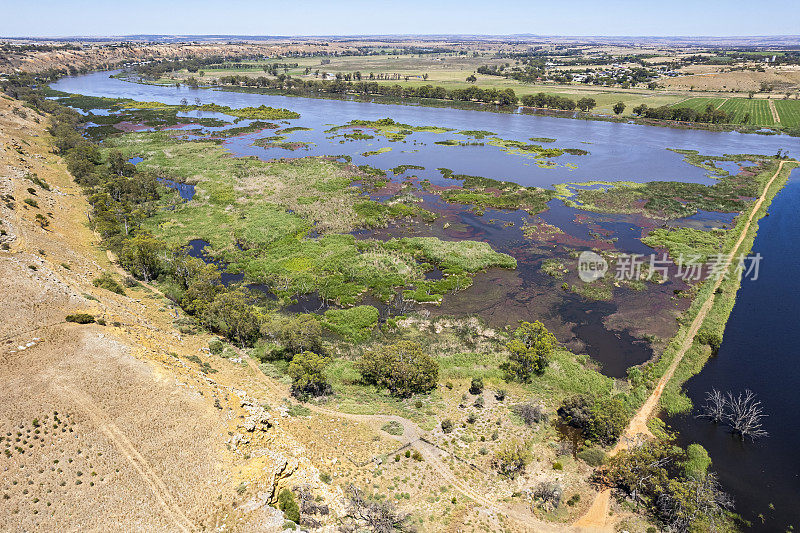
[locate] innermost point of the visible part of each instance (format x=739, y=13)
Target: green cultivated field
x=738, y=108
x=700, y=104
x=789, y=111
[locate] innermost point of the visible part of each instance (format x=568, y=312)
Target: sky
x=361, y=17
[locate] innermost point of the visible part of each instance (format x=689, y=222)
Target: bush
x=558, y=466
x=416, y=456
x=512, y=458
x=80, y=318
x=215, y=346
x=393, y=428
x=592, y=456
x=403, y=368
x=531, y=413
x=710, y=338
x=478, y=402
x=447, y=425
x=500, y=395
x=476, y=387
x=602, y=420
x=107, y=282
x=288, y=504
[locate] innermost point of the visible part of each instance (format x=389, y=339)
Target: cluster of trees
x=600, y=420
x=674, y=485
x=288, y=84
x=711, y=115
x=558, y=102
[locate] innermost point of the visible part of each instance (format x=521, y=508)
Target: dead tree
x=381, y=517
x=744, y=415
x=714, y=409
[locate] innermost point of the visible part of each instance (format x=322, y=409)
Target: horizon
x=359, y=18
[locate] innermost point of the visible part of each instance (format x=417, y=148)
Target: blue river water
x=760, y=352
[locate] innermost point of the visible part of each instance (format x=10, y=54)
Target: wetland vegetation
x=374, y=251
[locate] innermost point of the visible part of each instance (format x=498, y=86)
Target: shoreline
x=480, y=106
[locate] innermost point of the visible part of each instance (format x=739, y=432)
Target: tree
x=530, y=349
x=744, y=414
x=619, y=107
x=609, y=418
x=141, y=255
x=471, y=78
x=232, y=315
x=714, y=408
x=378, y=516
x=403, y=368
x=307, y=371
x=586, y=104
x=303, y=333
x=600, y=420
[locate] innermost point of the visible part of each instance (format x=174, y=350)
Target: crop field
x=789, y=112
x=700, y=104
x=756, y=111
x=740, y=108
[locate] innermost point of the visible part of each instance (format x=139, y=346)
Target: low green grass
x=688, y=243
x=353, y=324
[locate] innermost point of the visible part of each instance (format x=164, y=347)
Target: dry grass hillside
x=115, y=427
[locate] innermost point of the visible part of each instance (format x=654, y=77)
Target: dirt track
x=597, y=518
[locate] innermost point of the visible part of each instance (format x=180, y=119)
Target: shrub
x=558, y=466
x=600, y=420
x=447, y=425
x=531, y=413
x=416, y=456
x=710, y=338
x=215, y=346
x=548, y=493
x=393, y=428
x=511, y=459
x=288, y=504
x=530, y=350
x=500, y=395
x=403, y=368
x=80, y=318
x=592, y=456
x=476, y=387
x=108, y=283
x=31, y=202
x=478, y=402
x=307, y=371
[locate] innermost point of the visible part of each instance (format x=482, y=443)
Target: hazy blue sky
x=313, y=17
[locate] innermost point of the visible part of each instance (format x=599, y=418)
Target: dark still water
x=760, y=352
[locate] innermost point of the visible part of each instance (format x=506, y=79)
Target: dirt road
x=597, y=519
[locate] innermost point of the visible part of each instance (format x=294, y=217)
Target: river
x=760, y=340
